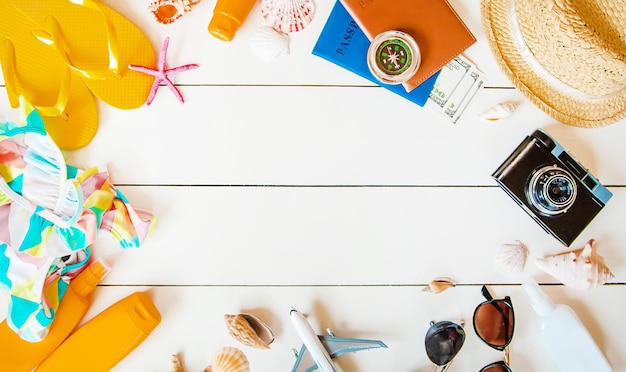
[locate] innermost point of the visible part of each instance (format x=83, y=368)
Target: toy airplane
x=318, y=351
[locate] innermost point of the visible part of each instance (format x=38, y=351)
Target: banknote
x=455, y=88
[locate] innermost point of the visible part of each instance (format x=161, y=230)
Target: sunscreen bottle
x=563, y=334
x=18, y=355
x=228, y=16
x=106, y=339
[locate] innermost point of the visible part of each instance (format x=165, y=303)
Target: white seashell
x=439, y=285
x=228, y=359
x=249, y=330
x=288, y=15
x=582, y=269
x=511, y=258
x=499, y=112
x=269, y=44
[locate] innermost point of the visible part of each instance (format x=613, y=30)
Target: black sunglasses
x=494, y=322
x=443, y=341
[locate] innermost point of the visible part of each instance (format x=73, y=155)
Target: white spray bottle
x=563, y=334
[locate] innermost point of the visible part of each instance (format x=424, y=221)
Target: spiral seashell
x=228, y=359
x=249, y=330
x=439, y=285
x=511, y=258
x=177, y=365
x=168, y=11
x=499, y=112
x=268, y=44
x=582, y=269
x=288, y=15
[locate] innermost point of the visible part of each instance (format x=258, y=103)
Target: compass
x=393, y=57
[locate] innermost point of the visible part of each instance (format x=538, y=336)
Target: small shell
x=269, y=44
x=288, y=15
x=439, y=285
x=249, y=330
x=168, y=11
x=228, y=359
x=499, y=112
x=511, y=258
x=177, y=365
x=582, y=269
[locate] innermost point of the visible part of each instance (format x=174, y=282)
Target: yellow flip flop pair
x=56, y=53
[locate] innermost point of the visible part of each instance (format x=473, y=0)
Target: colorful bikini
x=50, y=213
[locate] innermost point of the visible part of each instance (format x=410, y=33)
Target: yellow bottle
x=106, y=339
x=228, y=16
x=18, y=355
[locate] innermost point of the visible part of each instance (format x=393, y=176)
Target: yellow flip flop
x=35, y=71
x=98, y=44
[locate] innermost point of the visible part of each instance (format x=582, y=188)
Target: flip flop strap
x=11, y=81
x=54, y=37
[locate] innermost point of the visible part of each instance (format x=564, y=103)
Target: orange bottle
x=18, y=355
x=106, y=339
x=228, y=16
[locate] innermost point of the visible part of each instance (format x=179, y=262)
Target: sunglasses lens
x=494, y=322
x=496, y=367
x=443, y=342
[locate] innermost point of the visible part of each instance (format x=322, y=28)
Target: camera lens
x=551, y=190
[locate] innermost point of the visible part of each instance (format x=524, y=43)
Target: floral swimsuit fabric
x=50, y=213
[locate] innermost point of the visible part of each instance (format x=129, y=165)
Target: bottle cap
x=89, y=278
x=541, y=303
x=142, y=311
x=223, y=27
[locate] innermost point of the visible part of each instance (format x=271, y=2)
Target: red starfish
x=162, y=73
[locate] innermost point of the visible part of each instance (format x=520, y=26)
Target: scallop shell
x=288, y=15
x=168, y=11
x=439, y=285
x=177, y=365
x=228, y=359
x=499, y=112
x=269, y=44
x=511, y=257
x=249, y=330
x=582, y=269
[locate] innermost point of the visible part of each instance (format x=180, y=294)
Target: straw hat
x=566, y=56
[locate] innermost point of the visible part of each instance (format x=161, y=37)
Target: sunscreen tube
x=106, y=339
x=563, y=334
x=19, y=355
x=228, y=16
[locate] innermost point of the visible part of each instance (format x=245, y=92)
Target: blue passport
x=343, y=43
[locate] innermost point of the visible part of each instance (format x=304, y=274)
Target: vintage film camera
x=552, y=186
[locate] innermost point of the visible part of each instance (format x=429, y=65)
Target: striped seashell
x=288, y=15
x=228, y=359
x=249, y=330
x=268, y=44
x=511, y=258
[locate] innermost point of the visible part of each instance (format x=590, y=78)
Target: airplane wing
x=335, y=346
x=304, y=362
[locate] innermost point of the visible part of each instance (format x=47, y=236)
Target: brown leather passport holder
x=435, y=26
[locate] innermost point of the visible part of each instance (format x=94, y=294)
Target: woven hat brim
x=562, y=107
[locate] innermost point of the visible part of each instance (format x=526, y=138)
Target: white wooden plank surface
x=289, y=184
x=339, y=235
